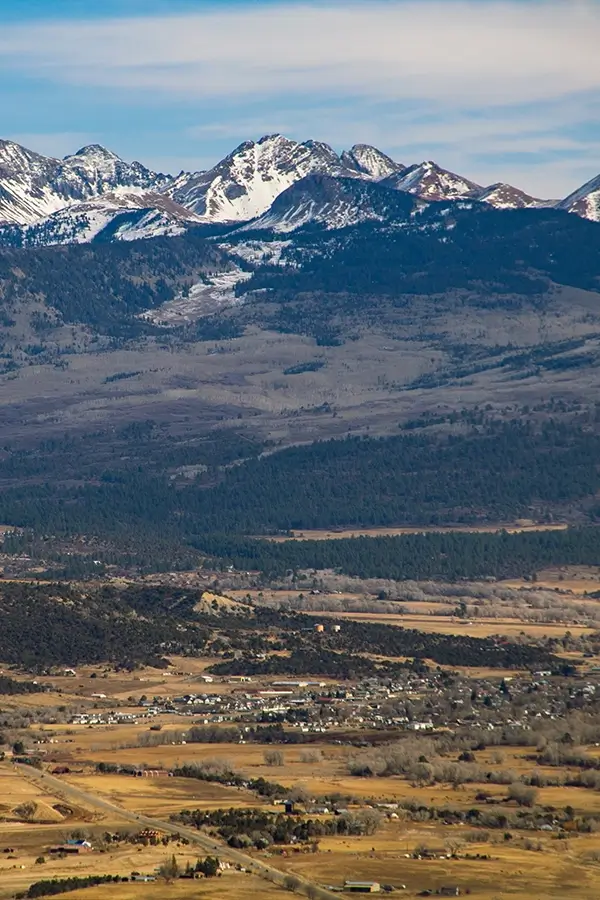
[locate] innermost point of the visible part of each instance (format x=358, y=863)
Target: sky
x=497, y=90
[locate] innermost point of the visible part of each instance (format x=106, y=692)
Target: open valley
x=300, y=449
x=415, y=778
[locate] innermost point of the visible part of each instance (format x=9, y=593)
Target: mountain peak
x=429, y=181
x=245, y=183
x=35, y=186
x=331, y=202
x=585, y=201
x=505, y=196
x=94, y=150
x=275, y=138
x=14, y=153
x=371, y=162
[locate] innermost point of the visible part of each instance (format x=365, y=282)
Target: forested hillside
x=414, y=557
x=497, y=474
x=418, y=325
x=449, y=246
x=494, y=473
x=58, y=624
x=105, y=286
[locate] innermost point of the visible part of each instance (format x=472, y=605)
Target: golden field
x=341, y=534
x=527, y=865
x=478, y=628
x=233, y=885
x=531, y=865
x=556, y=872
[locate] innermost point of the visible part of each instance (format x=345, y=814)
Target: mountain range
x=291, y=293
x=94, y=195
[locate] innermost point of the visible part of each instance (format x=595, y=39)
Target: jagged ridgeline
x=93, y=194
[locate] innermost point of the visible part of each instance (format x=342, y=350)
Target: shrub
x=524, y=794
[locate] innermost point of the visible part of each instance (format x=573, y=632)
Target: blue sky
x=498, y=90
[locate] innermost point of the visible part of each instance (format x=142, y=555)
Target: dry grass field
x=478, y=628
x=531, y=866
x=339, y=534
x=248, y=756
x=557, y=872
x=123, y=859
x=576, y=579
x=233, y=885
x=159, y=797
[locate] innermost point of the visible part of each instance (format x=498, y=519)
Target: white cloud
x=496, y=89
x=497, y=52
x=539, y=149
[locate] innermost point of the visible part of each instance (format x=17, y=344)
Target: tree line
x=447, y=556
x=496, y=472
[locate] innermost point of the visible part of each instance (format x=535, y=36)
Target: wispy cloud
x=474, y=81
x=498, y=51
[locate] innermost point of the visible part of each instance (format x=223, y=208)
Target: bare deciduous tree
x=273, y=757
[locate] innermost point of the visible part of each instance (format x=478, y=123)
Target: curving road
x=66, y=791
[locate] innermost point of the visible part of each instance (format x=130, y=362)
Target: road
x=68, y=792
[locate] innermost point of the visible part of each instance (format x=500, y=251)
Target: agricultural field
x=159, y=797
x=499, y=796
x=529, y=865
x=520, y=527
x=569, y=579
x=18, y=872
x=481, y=628
x=233, y=885
x=503, y=869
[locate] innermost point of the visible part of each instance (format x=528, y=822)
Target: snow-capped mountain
x=431, y=182
x=585, y=201
x=46, y=201
x=245, y=183
x=505, y=196
x=34, y=186
x=370, y=161
x=25, y=184
x=99, y=171
x=333, y=202
x=124, y=215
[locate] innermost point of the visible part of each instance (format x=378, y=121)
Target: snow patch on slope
x=205, y=298
x=333, y=215
x=130, y=213
x=585, y=201
x=245, y=184
x=370, y=161
x=260, y=253
x=504, y=196
x=430, y=182
x=33, y=186
x=332, y=203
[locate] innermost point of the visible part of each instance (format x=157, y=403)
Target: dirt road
x=66, y=791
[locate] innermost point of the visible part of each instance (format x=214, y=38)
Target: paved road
x=65, y=790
